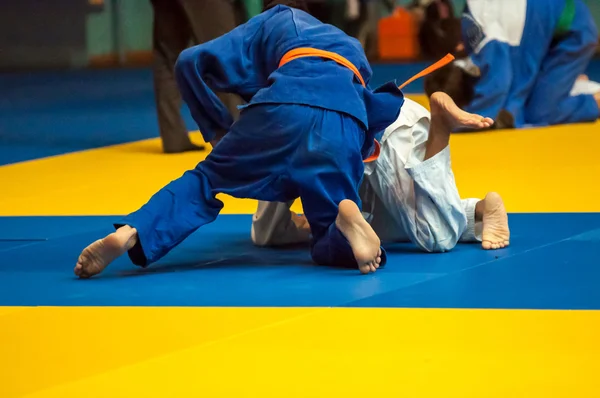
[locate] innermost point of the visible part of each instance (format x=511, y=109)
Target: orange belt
x=313, y=52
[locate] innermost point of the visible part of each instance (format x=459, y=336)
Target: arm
x=225, y=64
x=485, y=42
x=491, y=91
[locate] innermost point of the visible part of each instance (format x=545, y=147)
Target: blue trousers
x=549, y=102
x=274, y=152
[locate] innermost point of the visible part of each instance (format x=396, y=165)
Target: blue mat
x=552, y=263
x=46, y=114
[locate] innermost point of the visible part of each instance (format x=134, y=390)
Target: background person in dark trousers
x=177, y=25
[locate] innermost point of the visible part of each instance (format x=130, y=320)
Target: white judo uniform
x=530, y=54
x=404, y=198
x=583, y=87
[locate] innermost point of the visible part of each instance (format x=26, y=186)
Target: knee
x=185, y=64
x=541, y=114
x=437, y=246
x=445, y=245
x=429, y=246
x=441, y=240
x=331, y=248
x=260, y=237
x=590, y=33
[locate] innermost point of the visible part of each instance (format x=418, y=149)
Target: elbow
x=185, y=64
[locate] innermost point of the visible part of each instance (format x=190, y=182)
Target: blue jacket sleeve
x=492, y=90
x=226, y=64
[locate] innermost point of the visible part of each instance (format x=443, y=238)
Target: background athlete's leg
x=171, y=35
x=550, y=101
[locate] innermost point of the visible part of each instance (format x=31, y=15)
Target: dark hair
x=439, y=37
x=440, y=31
x=298, y=4
x=453, y=81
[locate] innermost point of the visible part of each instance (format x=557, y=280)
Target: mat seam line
x=440, y=276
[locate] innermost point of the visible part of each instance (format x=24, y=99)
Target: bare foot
x=96, y=257
x=444, y=109
x=301, y=222
x=496, y=234
x=303, y=227
x=363, y=240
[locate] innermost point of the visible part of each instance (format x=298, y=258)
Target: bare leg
x=491, y=211
x=363, y=240
x=597, y=98
x=96, y=257
x=274, y=224
x=446, y=117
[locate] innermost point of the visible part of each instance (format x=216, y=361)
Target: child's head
x=439, y=29
x=299, y=4
x=454, y=81
x=440, y=37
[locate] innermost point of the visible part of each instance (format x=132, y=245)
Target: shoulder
x=492, y=20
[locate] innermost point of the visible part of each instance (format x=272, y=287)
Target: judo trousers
x=550, y=102
x=274, y=152
x=177, y=23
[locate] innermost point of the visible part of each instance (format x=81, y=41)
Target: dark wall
x=43, y=33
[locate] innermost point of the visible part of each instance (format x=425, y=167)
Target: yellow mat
x=538, y=170
x=298, y=352
x=63, y=352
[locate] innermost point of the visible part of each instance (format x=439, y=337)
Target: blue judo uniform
x=304, y=133
x=529, y=54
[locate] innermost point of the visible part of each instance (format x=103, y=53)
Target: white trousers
x=273, y=225
x=407, y=198
x=404, y=198
x=585, y=87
